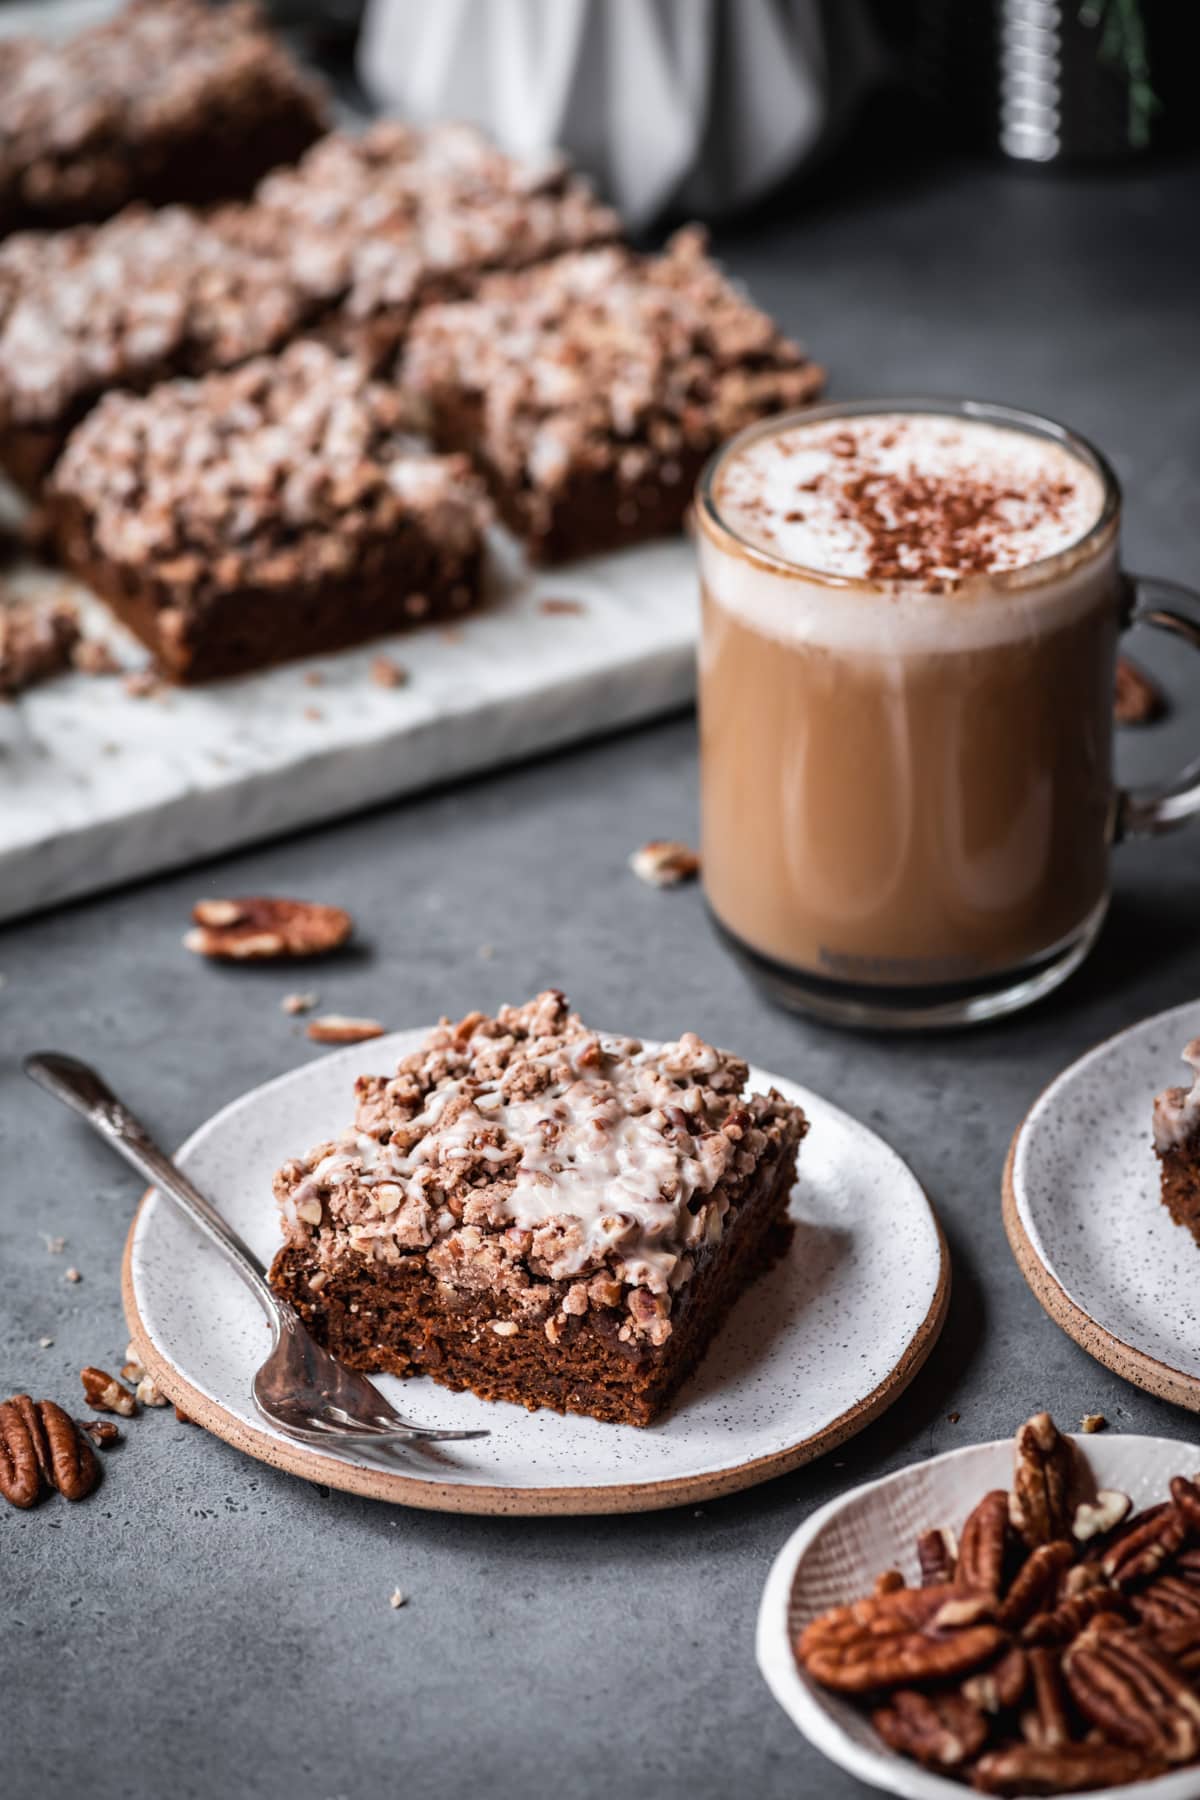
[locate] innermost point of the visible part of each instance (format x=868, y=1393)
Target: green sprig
x=1123, y=46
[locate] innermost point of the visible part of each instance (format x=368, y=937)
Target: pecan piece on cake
x=540, y=1213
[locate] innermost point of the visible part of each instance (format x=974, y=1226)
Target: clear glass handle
x=1148, y=811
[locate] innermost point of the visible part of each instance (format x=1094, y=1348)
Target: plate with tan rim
x=1084, y=1216
x=814, y=1351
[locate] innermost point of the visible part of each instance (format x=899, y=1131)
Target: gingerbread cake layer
x=276, y=511
x=539, y=1213
x=377, y=224
x=169, y=100
x=592, y=390
x=143, y=297
x=1177, y=1145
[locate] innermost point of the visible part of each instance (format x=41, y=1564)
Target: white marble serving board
x=98, y=787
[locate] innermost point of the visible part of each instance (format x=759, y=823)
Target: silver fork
x=301, y=1388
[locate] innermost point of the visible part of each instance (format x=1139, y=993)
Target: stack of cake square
x=265, y=429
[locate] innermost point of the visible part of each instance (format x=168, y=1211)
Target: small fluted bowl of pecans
x=1014, y=1618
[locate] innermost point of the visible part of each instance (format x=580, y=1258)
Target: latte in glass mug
x=910, y=623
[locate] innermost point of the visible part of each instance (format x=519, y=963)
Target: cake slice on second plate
x=1177, y=1144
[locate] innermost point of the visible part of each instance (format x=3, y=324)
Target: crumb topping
x=525, y=1150
x=1177, y=1110
x=146, y=74
x=379, y=220
x=116, y=305
x=279, y=470
x=605, y=358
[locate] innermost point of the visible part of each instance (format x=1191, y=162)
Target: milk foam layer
x=787, y=493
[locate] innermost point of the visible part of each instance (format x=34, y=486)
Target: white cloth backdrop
x=701, y=104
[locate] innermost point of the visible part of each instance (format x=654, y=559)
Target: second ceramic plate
x=811, y=1354
x=1083, y=1214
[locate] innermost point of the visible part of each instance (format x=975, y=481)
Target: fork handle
x=82, y=1089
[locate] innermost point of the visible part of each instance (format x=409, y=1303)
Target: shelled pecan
x=1069, y=1769
x=1036, y=1580
x=982, y=1544
x=942, y=1730
x=895, y=1638
x=1056, y=1650
x=937, y=1553
x=1000, y=1687
x=42, y=1448
x=1042, y=1482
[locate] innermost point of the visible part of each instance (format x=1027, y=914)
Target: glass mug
x=907, y=812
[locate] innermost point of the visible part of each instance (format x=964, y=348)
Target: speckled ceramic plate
x=1084, y=1218
x=818, y=1348
x=836, y=1554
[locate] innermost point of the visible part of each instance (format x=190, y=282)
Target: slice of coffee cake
x=540, y=1213
x=1177, y=1144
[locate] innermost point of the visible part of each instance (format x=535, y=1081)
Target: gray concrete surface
x=205, y=1627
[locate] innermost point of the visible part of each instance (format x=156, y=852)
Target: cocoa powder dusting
x=927, y=528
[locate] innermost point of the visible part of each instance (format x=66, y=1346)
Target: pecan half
x=891, y=1640
x=944, y=1731
x=1134, y=1694
x=1137, y=699
x=1000, y=1687
x=105, y=1393
x=1137, y=1555
x=1186, y=1495
x=937, y=1556
x=20, y=1471
x=1094, y=1518
x=981, y=1546
x=1167, y=1601
x=102, y=1432
x=1067, y=1619
x=1070, y=1769
x=336, y=1028
x=1046, y=1724
x=263, y=927
x=73, y=1466
x=1181, y=1643
x=41, y=1447
x=1036, y=1582
x=1042, y=1480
